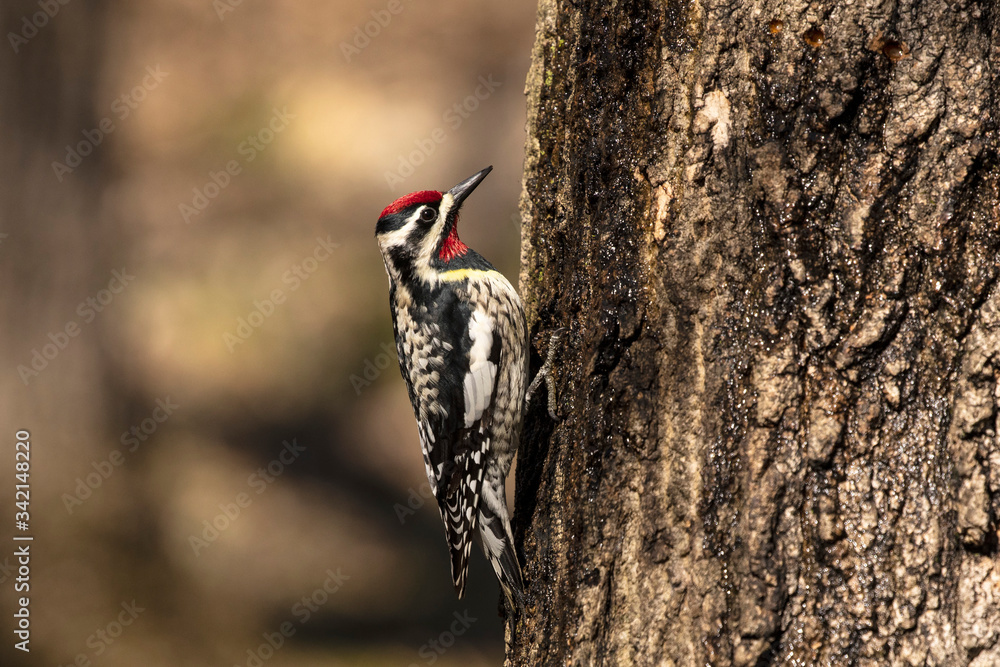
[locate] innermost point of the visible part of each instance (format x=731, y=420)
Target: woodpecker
x=461, y=342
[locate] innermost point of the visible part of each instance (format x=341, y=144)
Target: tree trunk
x=773, y=231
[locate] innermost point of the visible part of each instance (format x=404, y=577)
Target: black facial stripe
x=417, y=235
x=398, y=255
x=391, y=223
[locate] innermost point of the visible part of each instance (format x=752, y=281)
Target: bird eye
x=427, y=214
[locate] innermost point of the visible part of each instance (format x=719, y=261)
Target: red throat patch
x=422, y=197
x=452, y=246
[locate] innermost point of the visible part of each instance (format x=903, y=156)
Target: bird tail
x=459, y=527
x=497, y=542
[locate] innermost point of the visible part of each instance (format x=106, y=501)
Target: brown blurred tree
x=58, y=245
x=773, y=231
x=52, y=248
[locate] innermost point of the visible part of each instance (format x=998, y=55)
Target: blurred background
x=224, y=465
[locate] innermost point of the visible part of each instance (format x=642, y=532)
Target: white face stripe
x=430, y=242
x=397, y=237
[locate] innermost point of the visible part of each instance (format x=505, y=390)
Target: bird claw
x=545, y=373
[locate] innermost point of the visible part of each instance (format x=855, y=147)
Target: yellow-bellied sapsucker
x=461, y=340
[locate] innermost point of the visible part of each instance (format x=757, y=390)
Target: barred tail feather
x=509, y=574
x=495, y=538
x=457, y=530
x=459, y=545
x=458, y=511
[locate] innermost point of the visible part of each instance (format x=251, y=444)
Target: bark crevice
x=777, y=256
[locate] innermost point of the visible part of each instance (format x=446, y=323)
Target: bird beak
x=465, y=188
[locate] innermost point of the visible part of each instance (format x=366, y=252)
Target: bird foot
x=545, y=373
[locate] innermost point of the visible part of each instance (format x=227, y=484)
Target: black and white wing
x=460, y=509
x=452, y=386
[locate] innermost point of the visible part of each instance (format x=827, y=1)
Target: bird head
x=418, y=233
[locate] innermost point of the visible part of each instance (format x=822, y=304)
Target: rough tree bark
x=773, y=230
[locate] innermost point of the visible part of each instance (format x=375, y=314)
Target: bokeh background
x=171, y=169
